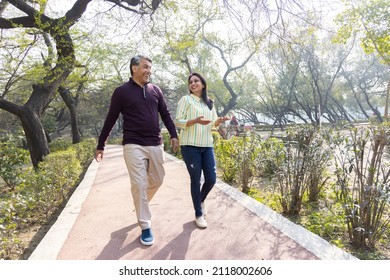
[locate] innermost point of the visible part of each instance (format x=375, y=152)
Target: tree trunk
x=35, y=135
x=386, y=115
x=246, y=174
x=37, y=142
x=71, y=104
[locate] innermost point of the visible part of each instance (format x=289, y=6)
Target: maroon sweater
x=139, y=107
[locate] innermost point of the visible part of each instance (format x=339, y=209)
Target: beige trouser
x=146, y=170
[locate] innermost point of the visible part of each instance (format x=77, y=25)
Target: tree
x=300, y=79
x=366, y=79
x=206, y=45
x=322, y=74
x=370, y=21
x=36, y=23
x=281, y=83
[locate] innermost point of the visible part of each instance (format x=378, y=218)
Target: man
x=140, y=103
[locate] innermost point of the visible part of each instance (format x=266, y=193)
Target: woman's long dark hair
x=209, y=102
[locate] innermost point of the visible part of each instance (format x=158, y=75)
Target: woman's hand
x=221, y=120
x=198, y=120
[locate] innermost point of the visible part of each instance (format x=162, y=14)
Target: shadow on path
x=177, y=248
x=113, y=250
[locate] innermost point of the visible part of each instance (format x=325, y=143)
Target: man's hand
x=99, y=155
x=174, y=144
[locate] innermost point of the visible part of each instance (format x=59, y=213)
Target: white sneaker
x=203, y=209
x=201, y=222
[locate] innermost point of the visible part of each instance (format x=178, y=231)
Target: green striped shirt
x=190, y=107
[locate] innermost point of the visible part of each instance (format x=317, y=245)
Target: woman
x=196, y=116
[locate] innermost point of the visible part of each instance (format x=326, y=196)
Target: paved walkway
x=99, y=223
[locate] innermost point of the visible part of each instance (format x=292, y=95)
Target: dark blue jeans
x=198, y=159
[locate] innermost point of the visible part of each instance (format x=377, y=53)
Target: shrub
x=60, y=144
x=305, y=160
x=226, y=152
x=84, y=150
x=12, y=159
x=236, y=158
x=363, y=182
x=270, y=157
x=41, y=192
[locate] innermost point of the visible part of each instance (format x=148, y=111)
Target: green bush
x=303, y=169
x=363, y=182
x=226, y=152
x=56, y=176
x=60, y=144
x=85, y=150
x=12, y=159
x=270, y=157
x=41, y=193
x=236, y=158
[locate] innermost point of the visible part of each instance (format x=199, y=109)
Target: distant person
x=233, y=129
x=234, y=121
x=196, y=116
x=140, y=103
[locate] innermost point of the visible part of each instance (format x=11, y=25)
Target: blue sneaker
x=147, y=237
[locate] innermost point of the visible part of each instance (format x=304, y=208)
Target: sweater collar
x=131, y=81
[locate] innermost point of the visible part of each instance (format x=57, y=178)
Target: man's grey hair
x=136, y=61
